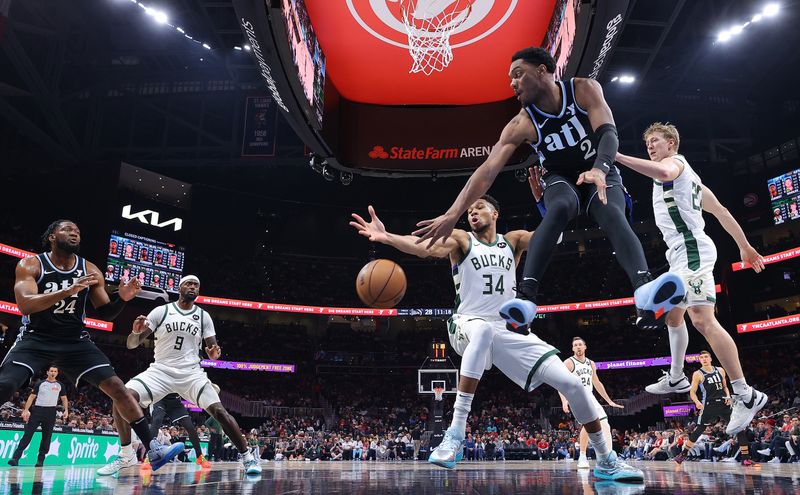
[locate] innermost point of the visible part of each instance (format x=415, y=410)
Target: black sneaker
x=680, y=457
x=13, y=462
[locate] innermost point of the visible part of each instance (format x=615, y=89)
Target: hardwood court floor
x=411, y=478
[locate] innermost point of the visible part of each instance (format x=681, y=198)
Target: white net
x=429, y=31
x=438, y=393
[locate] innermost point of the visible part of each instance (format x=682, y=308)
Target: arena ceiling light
x=769, y=10
x=624, y=79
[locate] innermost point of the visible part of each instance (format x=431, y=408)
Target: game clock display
x=154, y=263
x=784, y=194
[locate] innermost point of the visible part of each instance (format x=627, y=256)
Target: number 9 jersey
x=485, y=278
x=179, y=334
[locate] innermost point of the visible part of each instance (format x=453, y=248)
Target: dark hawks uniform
x=712, y=395
x=57, y=335
x=566, y=146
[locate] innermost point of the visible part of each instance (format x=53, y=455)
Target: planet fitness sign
x=679, y=410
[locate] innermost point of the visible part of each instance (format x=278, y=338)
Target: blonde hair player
x=584, y=368
x=679, y=199
x=180, y=330
x=484, y=265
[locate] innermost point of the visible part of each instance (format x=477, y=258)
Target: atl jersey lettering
x=179, y=334
x=485, y=278
x=63, y=320
x=678, y=206
x=712, y=387
x=583, y=370
x=565, y=140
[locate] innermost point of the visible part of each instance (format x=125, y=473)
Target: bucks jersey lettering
x=565, y=140
x=63, y=320
x=583, y=370
x=678, y=206
x=712, y=387
x=179, y=334
x=485, y=278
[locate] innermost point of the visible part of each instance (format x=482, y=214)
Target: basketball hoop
x=429, y=32
x=438, y=393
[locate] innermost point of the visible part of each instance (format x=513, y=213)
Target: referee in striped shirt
x=46, y=395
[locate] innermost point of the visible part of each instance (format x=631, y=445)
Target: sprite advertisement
x=66, y=448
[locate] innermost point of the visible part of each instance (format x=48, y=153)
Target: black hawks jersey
x=712, y=387
x=565, y=143
x=64, y=320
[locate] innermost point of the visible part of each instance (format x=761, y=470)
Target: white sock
x=740, y=387
x=601, y=447
x=460, y=412
x=678, y=343
x=126, y=451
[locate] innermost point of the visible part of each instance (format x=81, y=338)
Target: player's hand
x=728, y=401
x=535, y=181
x=614, y=404
x=750, y=255
x=375, y=231
x=565, y=407
x=129, y=289
x=438, y=228
x=140, y=324
x=214, y=352
x=81, y=284
x=598, y=178
x=26, y=415
x=699, y=406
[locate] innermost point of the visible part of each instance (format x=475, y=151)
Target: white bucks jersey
x=678, y=207
x=584, y=371
x=179, y=334
x=485, y=278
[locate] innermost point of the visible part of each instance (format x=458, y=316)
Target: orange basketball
x=381, y=284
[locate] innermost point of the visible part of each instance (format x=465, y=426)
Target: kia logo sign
x=151, y=217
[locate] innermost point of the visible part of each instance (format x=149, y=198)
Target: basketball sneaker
x=583, y=462
x=666, y=385
x=120, y=462
x=161, y=454
x=202, y=461
x=251, y=463
x=745, y=410
x=617, y=488
x=449, y=452
x=615, y=469
x=656, y=298
x=518, y=314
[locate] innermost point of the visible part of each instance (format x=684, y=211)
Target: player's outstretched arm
x=666, y=170
x=27, y=294
x=696, y=379
x=139, y=333
x=375, y=231
x=516, y=132
x=601, y=389
x=748, y=253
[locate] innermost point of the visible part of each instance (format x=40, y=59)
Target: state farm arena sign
x=427, y=153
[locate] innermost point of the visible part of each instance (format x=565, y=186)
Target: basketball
x=381, y=284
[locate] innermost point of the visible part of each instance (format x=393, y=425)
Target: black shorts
x=585, y=193
x=172, y=407
x=78, y=359
x=712, y=410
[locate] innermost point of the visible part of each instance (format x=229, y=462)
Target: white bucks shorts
x=693, y=260
x=158, y=381
x=517, y=356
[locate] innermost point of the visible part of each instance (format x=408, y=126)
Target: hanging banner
x=260, y=123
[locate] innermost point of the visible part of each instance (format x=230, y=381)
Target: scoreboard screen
x=784, y=195
x=154, y=263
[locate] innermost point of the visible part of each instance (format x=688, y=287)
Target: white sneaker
x=583, y=462
x=729, y=459
x=764, y=452
x=118, y=463
x=449, y=451
x=251, y=463
x=666, y=385
x=745, y=410
x=774, y=460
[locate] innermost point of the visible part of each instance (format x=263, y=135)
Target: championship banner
x=65, y=448
x=769, y=259
x=106, y=326
x=241, y=366
x=679, y=410
x=260, y=125
x=757, y=326
x=642, y=363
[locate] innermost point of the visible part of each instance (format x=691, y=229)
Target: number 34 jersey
x=179, y=334
x=485, y=278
